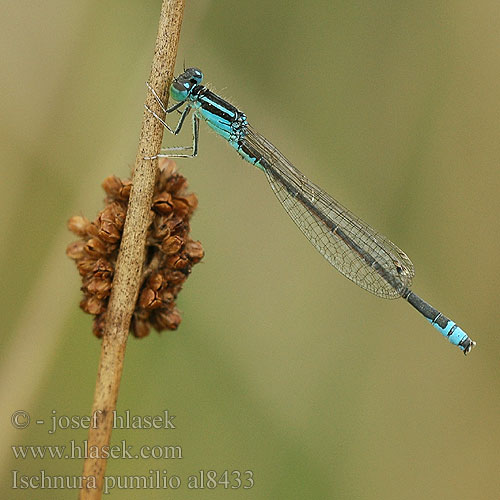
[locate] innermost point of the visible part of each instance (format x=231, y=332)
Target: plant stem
x=130, y=261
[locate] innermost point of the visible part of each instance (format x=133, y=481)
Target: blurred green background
x=280, y=366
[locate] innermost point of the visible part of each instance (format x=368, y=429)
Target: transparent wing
x=360, y=253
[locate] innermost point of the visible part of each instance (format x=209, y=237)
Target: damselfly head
x=184, y=83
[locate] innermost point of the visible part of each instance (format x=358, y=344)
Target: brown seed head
x=170, y=251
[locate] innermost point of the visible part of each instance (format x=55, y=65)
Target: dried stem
x=131, y=257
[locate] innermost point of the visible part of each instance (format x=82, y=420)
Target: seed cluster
x=170, y=252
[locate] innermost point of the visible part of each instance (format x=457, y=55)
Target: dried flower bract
x=170, y=252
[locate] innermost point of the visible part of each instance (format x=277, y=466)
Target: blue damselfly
x=366, y=257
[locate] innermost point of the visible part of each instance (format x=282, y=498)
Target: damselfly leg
x=184, y=114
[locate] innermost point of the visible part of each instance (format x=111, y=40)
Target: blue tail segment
x=454, y=334
x=445, y=326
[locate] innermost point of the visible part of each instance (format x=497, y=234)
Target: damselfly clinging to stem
x=349, y=244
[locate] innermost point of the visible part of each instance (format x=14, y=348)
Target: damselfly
x=366, y=257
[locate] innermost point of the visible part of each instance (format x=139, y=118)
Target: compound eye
x=179, y=90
